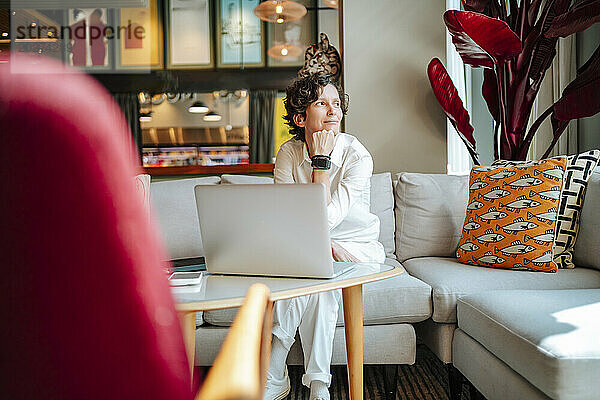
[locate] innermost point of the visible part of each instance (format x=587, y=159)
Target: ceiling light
x=212, y=117
x=158, y=98
x=146, y=117
x=332, y=3
x=144, y=98
x=198, y=108
x=240, y=94
x=279, y=11
x=284, y=51
x=4, y=34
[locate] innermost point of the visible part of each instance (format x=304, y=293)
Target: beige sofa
x=479, y=320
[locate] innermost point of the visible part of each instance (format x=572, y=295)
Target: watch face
x=321, y=163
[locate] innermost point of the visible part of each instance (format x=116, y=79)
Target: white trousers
x=315, y=316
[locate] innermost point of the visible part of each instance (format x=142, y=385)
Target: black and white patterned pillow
x=576, y=177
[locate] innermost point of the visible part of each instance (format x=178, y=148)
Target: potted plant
x=515, y=43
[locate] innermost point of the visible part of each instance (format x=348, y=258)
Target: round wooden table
x=227, y=291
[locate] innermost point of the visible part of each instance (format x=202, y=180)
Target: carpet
x=427, y=379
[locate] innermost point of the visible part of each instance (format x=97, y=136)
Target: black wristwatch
x=321, y=162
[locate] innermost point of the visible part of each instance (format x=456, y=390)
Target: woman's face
x=325, y=113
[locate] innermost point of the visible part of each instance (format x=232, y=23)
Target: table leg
x=188, y=325
x=353, y=327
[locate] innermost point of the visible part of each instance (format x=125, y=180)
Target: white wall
x=387, y=45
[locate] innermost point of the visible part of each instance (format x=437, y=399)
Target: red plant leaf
x=558, y=126
x=580, y=98
x=489, y=89
x=544, y=48
x=580, y=17
x=536, y=57
x=480, y=40
x=451, y=103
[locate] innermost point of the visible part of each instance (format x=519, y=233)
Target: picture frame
x=44, y=38
x=140, y=40
x=190, y=34
x=94, y=53
x=239, y=47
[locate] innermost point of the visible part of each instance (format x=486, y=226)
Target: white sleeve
x=283, y=166
x=354, y=184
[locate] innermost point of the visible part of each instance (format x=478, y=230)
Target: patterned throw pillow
x=511, y=216
x=577, y=175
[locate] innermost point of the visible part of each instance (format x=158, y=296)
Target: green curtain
x=262, y=108
x=131, y=109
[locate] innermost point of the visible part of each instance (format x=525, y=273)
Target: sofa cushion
x=587, y=246
x=577, y=175
x=245, y=179
x=400, y=299
x=430, y=210
x=450, y=280
x=174, y=205
x=549, y=337
x=382, y=205
x=511, y=221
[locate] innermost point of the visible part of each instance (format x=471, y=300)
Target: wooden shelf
x=210, y=169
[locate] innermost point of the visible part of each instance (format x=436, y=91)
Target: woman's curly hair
x=304, y=91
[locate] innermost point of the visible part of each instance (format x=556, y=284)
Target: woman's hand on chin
x=323, y=142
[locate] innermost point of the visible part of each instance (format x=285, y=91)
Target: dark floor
x=427, y=379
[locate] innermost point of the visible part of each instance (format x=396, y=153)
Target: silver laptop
x=269, y=230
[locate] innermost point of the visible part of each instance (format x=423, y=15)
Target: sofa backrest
x=382, y=205
x=430, y=211
x=382, y=202
x=174, y=205
x=245, y=179
x=587, y=246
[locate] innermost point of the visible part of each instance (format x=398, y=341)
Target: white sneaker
x=277, y=389
x=319, y=390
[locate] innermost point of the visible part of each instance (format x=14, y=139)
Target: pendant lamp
x=332, y=3
x=284, y=51
x=212, y=117
x=198, y=108
x=279, y=11
x=146, y=117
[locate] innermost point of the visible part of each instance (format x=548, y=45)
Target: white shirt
x=350, y=221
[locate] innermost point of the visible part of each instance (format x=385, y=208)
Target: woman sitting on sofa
x=320, y=153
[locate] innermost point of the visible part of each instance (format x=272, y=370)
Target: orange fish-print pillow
x=511, y=216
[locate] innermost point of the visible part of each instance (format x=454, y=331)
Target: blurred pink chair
x=85, y=305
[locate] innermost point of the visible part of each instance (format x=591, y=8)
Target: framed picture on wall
x=189, y=34
x=87, y=45
x=140, y=37
x=239, y=34
x=34, y=31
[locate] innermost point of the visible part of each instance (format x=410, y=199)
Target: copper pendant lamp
x=332, y=3
x=284, y=51
x=279, y=11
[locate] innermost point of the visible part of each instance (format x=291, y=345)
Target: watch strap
x=321, y=162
